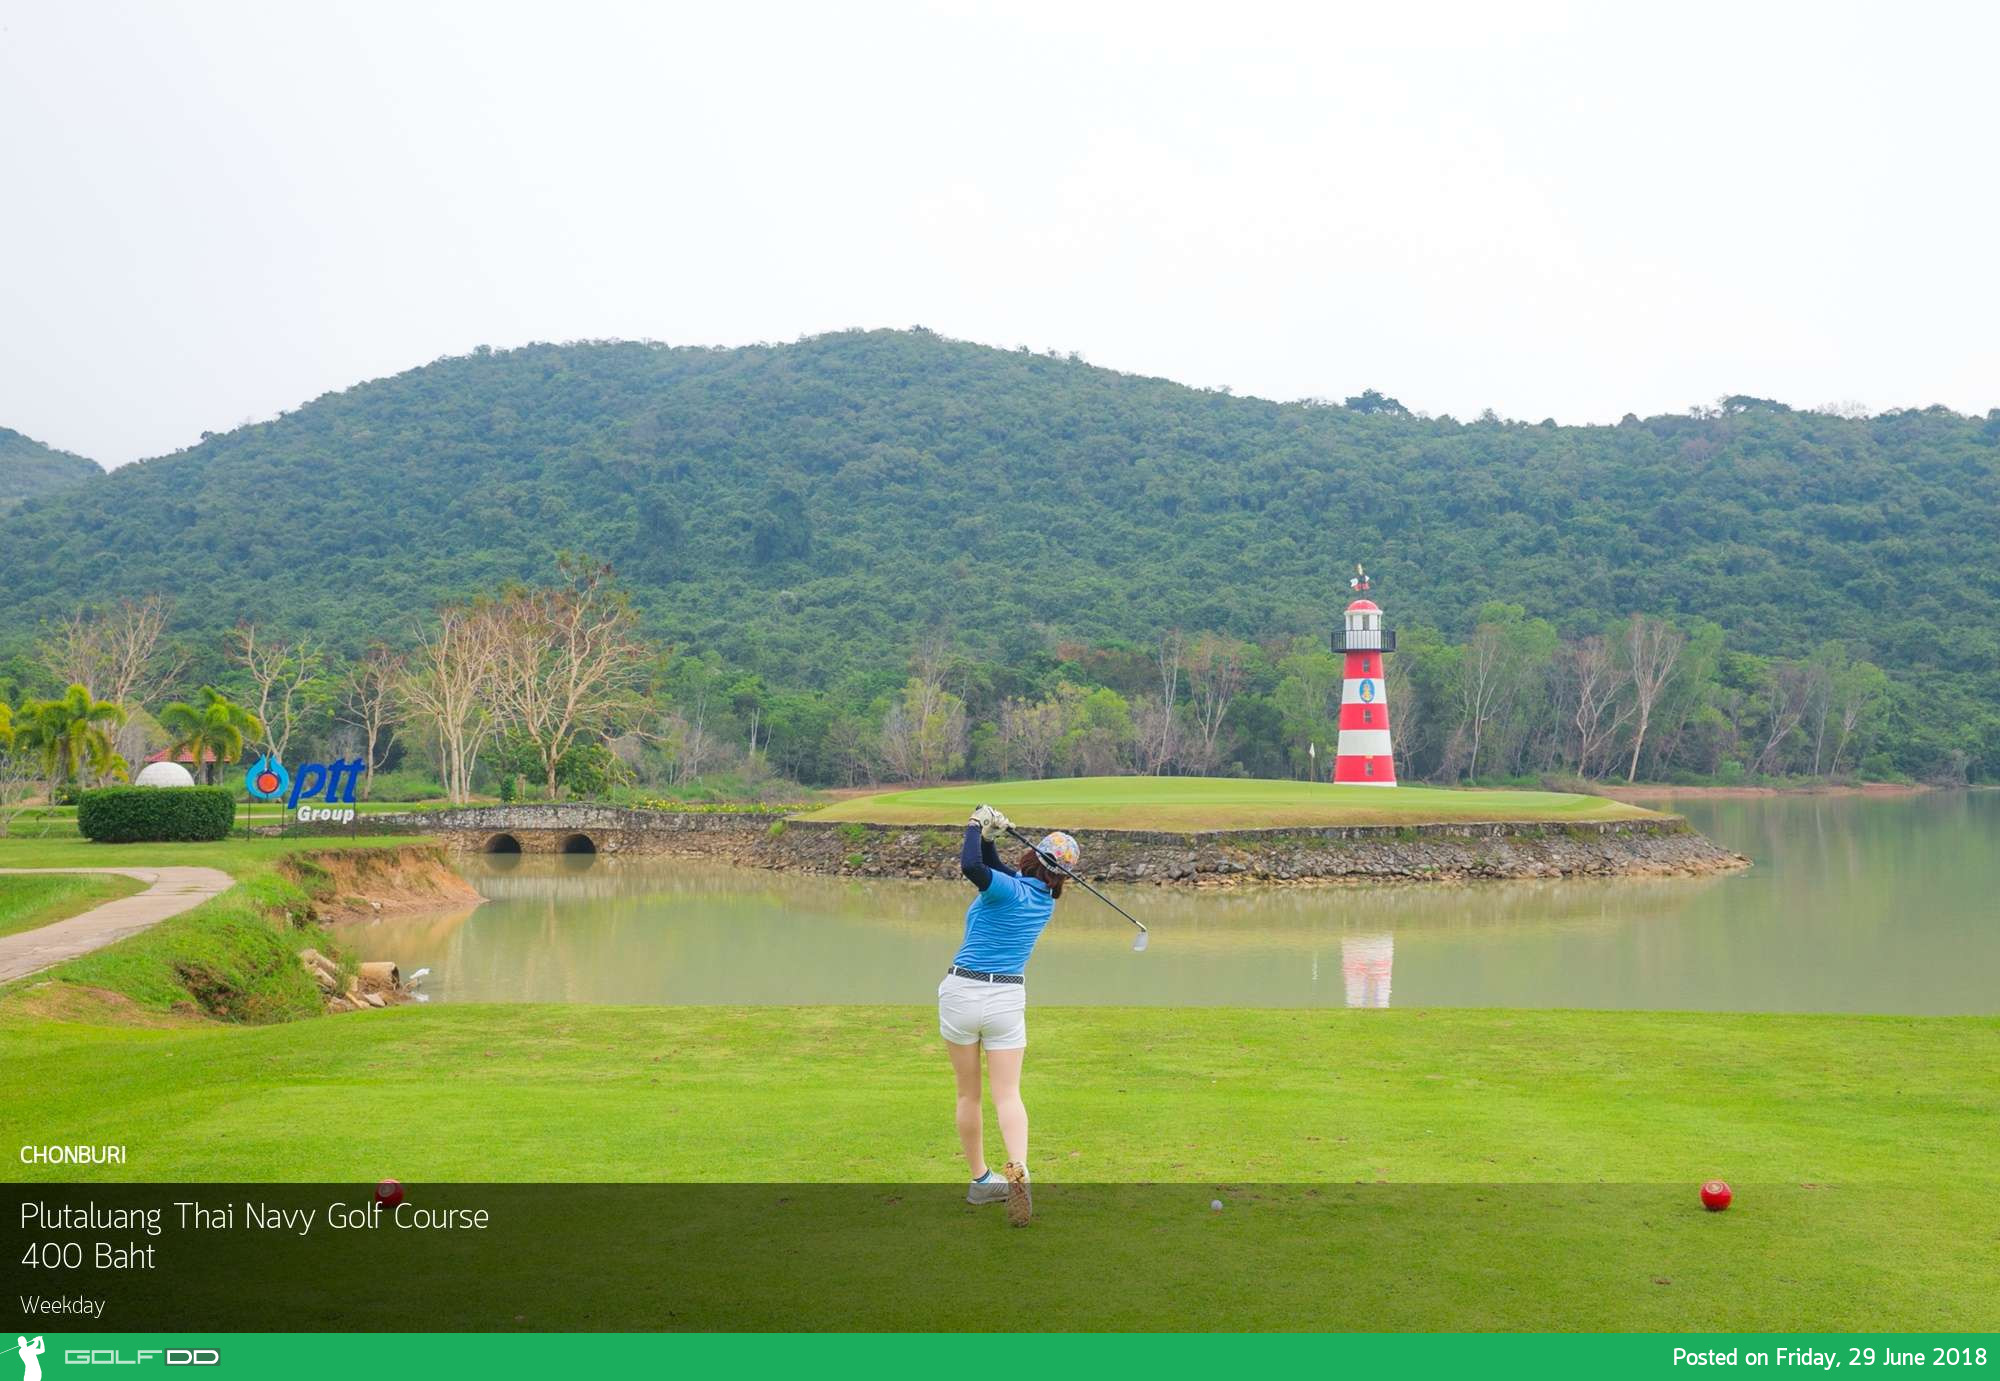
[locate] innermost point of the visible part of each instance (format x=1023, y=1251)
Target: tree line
x=540, y=675
x=812, y=512
x=552, y=689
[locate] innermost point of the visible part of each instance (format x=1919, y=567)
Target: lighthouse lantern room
x=1364, y=756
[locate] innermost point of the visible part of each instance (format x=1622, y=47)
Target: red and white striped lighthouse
x=1364, y=757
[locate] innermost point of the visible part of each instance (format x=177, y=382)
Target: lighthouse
x=1364, y=757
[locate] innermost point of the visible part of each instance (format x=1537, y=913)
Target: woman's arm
x=992, y=859
x=972, y=858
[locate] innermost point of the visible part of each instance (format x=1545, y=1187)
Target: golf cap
x=1061, y=848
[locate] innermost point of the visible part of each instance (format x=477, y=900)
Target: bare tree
x=1481, y=687
x=1652, y=650
x=1030, y=730
x=369, y=701
x=1399, y=695
x=567, y=662
x=695, y=744
x=1160, y=741
x=1858, y=690
x=1215, y=671
x=448, y=682
x=1154, y=734
x=1785, y=698
x=1819, y=706
x=286, y=678
x=1593, y=700
x=115, y=654
x=923, y=735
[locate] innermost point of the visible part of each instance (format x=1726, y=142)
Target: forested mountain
x=811, y=511
x=27, y=468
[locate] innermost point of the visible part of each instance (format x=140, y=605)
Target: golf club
x=1138, y=941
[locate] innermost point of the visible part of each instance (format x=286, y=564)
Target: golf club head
x=1139, y=942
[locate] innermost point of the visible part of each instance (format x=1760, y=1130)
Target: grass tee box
x=1220, y=803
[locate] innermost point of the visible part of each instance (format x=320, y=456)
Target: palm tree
x=214, y=728
x=67, y=731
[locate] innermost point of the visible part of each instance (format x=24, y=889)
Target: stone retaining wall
x=1327, y=854
x=1334, y=854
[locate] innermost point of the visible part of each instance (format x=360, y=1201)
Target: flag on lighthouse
x=1364, y=756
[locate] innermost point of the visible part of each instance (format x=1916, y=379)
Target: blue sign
x=267, y=780
x=1367, y=692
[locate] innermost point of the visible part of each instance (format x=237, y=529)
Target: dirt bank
x=347, y=884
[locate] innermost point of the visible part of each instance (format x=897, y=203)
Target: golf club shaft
x=1053, y=863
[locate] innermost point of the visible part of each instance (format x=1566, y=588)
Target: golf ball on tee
x=1215, y=1204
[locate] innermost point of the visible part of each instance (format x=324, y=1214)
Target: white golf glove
x=990, y=821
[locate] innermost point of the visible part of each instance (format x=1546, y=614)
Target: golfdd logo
x=332, y=782
x=167, y=1356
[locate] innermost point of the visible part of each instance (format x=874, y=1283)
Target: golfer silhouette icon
x=31, y=1357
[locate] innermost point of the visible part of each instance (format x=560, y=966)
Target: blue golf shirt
x=1008, y=915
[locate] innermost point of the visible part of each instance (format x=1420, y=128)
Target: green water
x=1855, y=905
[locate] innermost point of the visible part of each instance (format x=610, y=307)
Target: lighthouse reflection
x=1365, y=962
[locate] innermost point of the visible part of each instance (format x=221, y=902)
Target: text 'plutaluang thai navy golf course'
x=582, y=1257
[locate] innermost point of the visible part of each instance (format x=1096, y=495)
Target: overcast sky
x=209, y=212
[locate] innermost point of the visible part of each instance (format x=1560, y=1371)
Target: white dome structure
x=163, y=774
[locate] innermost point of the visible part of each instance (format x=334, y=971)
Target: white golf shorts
x=970, y=1012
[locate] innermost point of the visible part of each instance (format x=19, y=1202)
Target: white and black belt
x=988, y=977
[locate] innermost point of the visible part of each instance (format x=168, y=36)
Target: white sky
x=209, y=211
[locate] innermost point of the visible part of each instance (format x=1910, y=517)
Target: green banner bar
x=307, y=1356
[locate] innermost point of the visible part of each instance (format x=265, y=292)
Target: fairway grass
x=1462, y=1168
x=30, y=901
x=1402, y=1169
x=1218, y=803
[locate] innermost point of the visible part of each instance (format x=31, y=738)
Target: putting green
x=1217, y=803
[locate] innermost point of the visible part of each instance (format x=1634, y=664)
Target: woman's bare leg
x=971, y=1117
x=1003, y=1071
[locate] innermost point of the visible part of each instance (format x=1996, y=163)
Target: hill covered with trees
x=29, y=468
x=801, y=518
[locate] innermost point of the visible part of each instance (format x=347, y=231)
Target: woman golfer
x=983, y=1000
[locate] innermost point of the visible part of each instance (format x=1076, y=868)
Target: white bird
x=415, y=978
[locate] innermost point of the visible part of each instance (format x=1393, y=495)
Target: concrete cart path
x=173, y=891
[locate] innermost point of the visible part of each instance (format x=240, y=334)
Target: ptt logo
x=1366, y=691
x=332, y=782
x=267, y=779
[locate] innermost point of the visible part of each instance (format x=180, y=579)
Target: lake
x=1856, y=904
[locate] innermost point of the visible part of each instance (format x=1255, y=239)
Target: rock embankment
x=1662, y=845
x=1417, y=853
x=376, y=984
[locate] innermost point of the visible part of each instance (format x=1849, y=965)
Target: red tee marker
x=1715, y=1195
x=389, y=1193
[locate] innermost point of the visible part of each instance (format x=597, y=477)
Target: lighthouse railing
x=1364, y=640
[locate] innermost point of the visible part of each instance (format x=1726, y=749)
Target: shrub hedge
x=146, y=814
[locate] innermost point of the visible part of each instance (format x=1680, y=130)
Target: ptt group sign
x=330, y=782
